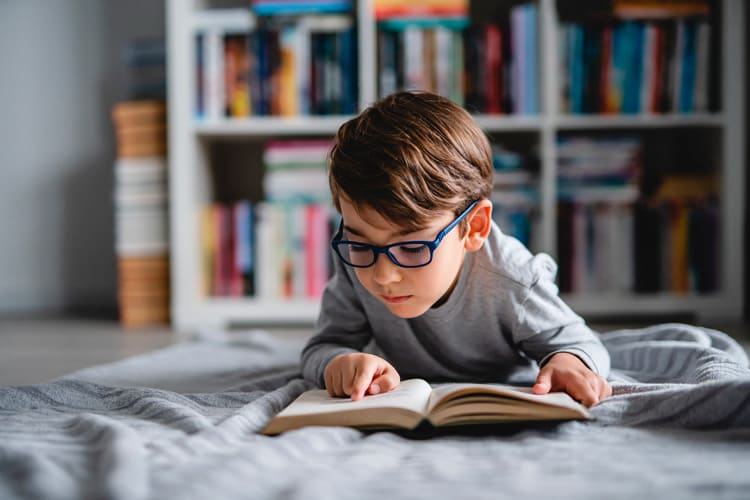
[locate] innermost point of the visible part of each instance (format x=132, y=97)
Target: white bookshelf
x=190, y=181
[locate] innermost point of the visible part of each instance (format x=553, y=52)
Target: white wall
x=60, y=71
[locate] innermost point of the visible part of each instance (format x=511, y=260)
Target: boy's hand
x=566, y=372
x=358, y=374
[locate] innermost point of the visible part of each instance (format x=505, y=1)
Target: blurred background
x=64, y=68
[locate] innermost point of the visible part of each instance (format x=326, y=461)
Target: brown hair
x=409, y=155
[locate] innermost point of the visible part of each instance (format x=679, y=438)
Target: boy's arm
x=547, y=326
x=342, y=327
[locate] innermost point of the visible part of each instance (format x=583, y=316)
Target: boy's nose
x=385, y=271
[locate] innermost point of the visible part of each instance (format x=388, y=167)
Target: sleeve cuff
x=580, y=354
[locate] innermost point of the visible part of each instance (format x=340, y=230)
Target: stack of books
x=141, y=219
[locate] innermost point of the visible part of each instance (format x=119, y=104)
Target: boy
x=423, y=274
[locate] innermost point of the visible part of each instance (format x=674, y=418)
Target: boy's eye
x=358, y=248
x=412, y=248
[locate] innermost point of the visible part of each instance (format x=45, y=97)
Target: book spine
x=288, y=70
x=518, y=39
x=531, y=47
x=648, y=74
x=493, y=64
x=687, y=85
x=678, y=68
x=702, y=67
x=413, y=43
x=213, y=83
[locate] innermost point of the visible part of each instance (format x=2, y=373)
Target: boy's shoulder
x=506, y=258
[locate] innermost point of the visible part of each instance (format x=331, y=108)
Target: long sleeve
x=342, y=326
x=546, y=326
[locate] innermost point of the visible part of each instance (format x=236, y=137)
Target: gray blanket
x=183, y=423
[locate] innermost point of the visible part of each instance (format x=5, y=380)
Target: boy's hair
x=410, y=155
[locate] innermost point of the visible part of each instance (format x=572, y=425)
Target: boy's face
x=406, y=292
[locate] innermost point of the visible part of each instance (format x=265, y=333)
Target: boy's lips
x=396, y=299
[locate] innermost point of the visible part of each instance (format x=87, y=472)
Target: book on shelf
x=636, y=66
x=317, y=73
x=274, y=250
x=683, y=215
x=516, y=213
x=420, y=9
x=426, y=57
x=296, y=169
x=597, y=188
x=222, y=62
x=297, y=7
x=595, y=249
x=416, y=403
x=524, y=41
x=228, y=250
x=676, y=246
x=655, y=9
x=515, y=194
x=488, y=65
x=278, y=64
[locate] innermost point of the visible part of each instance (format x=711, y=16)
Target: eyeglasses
x=408, y=254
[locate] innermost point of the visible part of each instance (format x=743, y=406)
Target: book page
x=459, y=394
x=410, y=395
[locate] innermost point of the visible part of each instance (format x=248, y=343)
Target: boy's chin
x=407, y=311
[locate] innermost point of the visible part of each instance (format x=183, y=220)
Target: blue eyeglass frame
x=432, y=245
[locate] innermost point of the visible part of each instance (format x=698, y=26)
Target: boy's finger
x=543, y=382
x=604, y=389
x=582, y=391
x=386, y=381
x=361, y=382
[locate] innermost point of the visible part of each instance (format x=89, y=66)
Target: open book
x=415, y=402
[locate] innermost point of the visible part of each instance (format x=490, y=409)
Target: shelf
x=328, y=125
x=718, y=305
x=190, y=170
x=222, y=312
x=299, y=312
x=270, y=126
x=498, y=123
x=571, y=122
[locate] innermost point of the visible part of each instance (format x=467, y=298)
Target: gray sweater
x=503, y=315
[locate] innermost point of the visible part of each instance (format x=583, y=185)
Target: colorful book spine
x=633, y=66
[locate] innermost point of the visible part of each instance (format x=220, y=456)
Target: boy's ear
x=480, y=223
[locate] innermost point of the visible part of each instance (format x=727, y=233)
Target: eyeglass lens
x=405, y=255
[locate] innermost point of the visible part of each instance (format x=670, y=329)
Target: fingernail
x=374, y=389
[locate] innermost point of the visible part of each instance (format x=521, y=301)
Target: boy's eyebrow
x=355, y=232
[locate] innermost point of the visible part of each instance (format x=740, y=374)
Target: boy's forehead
x=363, y=218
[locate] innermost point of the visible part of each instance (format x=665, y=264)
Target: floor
x=34, y=350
